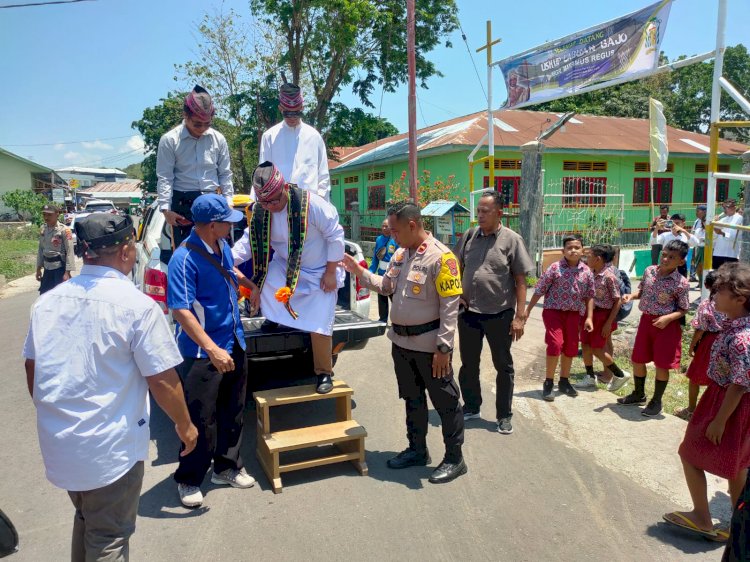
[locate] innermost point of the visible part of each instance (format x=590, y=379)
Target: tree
x=428, y=190
x=358, y=42
x=134, y=171
x=26, y=204
x=354, y=127
x=158, y=120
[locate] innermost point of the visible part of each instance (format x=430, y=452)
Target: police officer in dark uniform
x=424, y=278
x=56, y=255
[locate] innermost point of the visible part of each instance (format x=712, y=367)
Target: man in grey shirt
x=494, y=263
x=192, y=159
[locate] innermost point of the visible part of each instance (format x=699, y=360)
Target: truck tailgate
x=349, y=328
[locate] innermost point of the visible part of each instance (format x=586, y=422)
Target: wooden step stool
x=346, y=434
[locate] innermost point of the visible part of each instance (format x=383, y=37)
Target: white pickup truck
x=352, y=326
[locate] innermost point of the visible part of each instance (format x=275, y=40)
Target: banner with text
x=627, y=47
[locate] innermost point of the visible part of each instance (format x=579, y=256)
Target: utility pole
x=490, y=121
x=412, y=69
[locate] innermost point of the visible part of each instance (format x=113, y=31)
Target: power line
x=31, y=4
x=69, y=142
x=468, y=50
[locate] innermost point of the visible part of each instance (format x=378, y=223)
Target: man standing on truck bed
x=202, y=296
x=298, y=287
x=55, y=253
x=424, y=278
x=192, y=159
x=295, y=147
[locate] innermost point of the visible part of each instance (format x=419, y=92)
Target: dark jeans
x=414, y=377
x=105, y=518
x=216, y=404
x=51, y=278
x=472, y=329
x=718, y=261
x=383, y=308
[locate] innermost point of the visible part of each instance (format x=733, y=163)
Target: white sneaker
x=587, y=382
x=190, y=496
x=618, y=382
x=236, y=478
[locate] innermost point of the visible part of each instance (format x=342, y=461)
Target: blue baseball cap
x=214, y=208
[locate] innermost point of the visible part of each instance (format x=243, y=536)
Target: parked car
x=100, y=206
x=352, y=326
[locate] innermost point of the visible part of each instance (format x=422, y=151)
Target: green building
x=591, y=165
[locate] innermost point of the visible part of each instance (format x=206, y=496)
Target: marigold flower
x=283, y=294
x=245, y=292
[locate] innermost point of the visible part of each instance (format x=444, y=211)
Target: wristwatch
x=442, y=348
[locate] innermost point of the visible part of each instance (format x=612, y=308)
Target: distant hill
x=134, y=171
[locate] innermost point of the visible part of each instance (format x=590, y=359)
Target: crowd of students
x=581, y=303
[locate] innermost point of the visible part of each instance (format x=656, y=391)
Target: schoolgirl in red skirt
x=707, y=324
x=717, y=438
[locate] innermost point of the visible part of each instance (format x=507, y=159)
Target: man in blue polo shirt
x=202, y=295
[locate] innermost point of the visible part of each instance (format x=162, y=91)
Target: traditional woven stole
x=260, y=240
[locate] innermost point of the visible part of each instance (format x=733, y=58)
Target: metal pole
x=721, y=25
x=490, y=120
x=412, y=68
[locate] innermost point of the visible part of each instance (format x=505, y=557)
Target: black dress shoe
x=410, y=457
x=448, y=471
x=325, y=384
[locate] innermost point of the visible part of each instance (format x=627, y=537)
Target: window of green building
x=642, y=190
x=350, y=195
x=584, y=187
x=376, y=197
x=507, y=186
x=700, y=190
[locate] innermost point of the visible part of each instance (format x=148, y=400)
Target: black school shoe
x=448, y=471
x=325, y=384
x=547, y=388
x=652, y=410
x=632, y=399
x=566, y=388
x=409, y=457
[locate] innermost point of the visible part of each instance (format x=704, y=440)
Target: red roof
x=514, y=128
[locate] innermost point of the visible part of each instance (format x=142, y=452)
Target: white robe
x=324, y=242
x=300, y=154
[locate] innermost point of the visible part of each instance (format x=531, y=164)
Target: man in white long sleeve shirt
x=298, y=288
x=727, y=240
x=296, y=148
x=676, y=232
x=192, y=159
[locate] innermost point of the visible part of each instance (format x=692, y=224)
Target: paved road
x=526, y=496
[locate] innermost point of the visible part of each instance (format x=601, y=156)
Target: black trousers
x=383, y=308
x=216, y=404
x=51, y=278
x=472, y=329
x=414, y=377
x=655, y=251
x=182, y=201
x=718, y=261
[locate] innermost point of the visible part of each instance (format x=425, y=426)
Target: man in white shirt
x=95, y=347
x=676, y=232
x=296, y=148
x=192, y=159
x=727, y=240
x=298, y=288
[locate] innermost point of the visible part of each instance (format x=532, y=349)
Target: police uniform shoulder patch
x=448, y=281
x=422, y=248
x=398, y=257
x=68, y=234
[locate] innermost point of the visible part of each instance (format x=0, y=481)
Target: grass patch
x=676, y=394
x=18, y=248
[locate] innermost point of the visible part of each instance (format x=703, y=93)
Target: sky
x=76, y=76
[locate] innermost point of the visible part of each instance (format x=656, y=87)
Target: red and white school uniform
x=606, y=295
x=729, y=364
x=708, y=319
x=660, y=295
x=565, y=289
